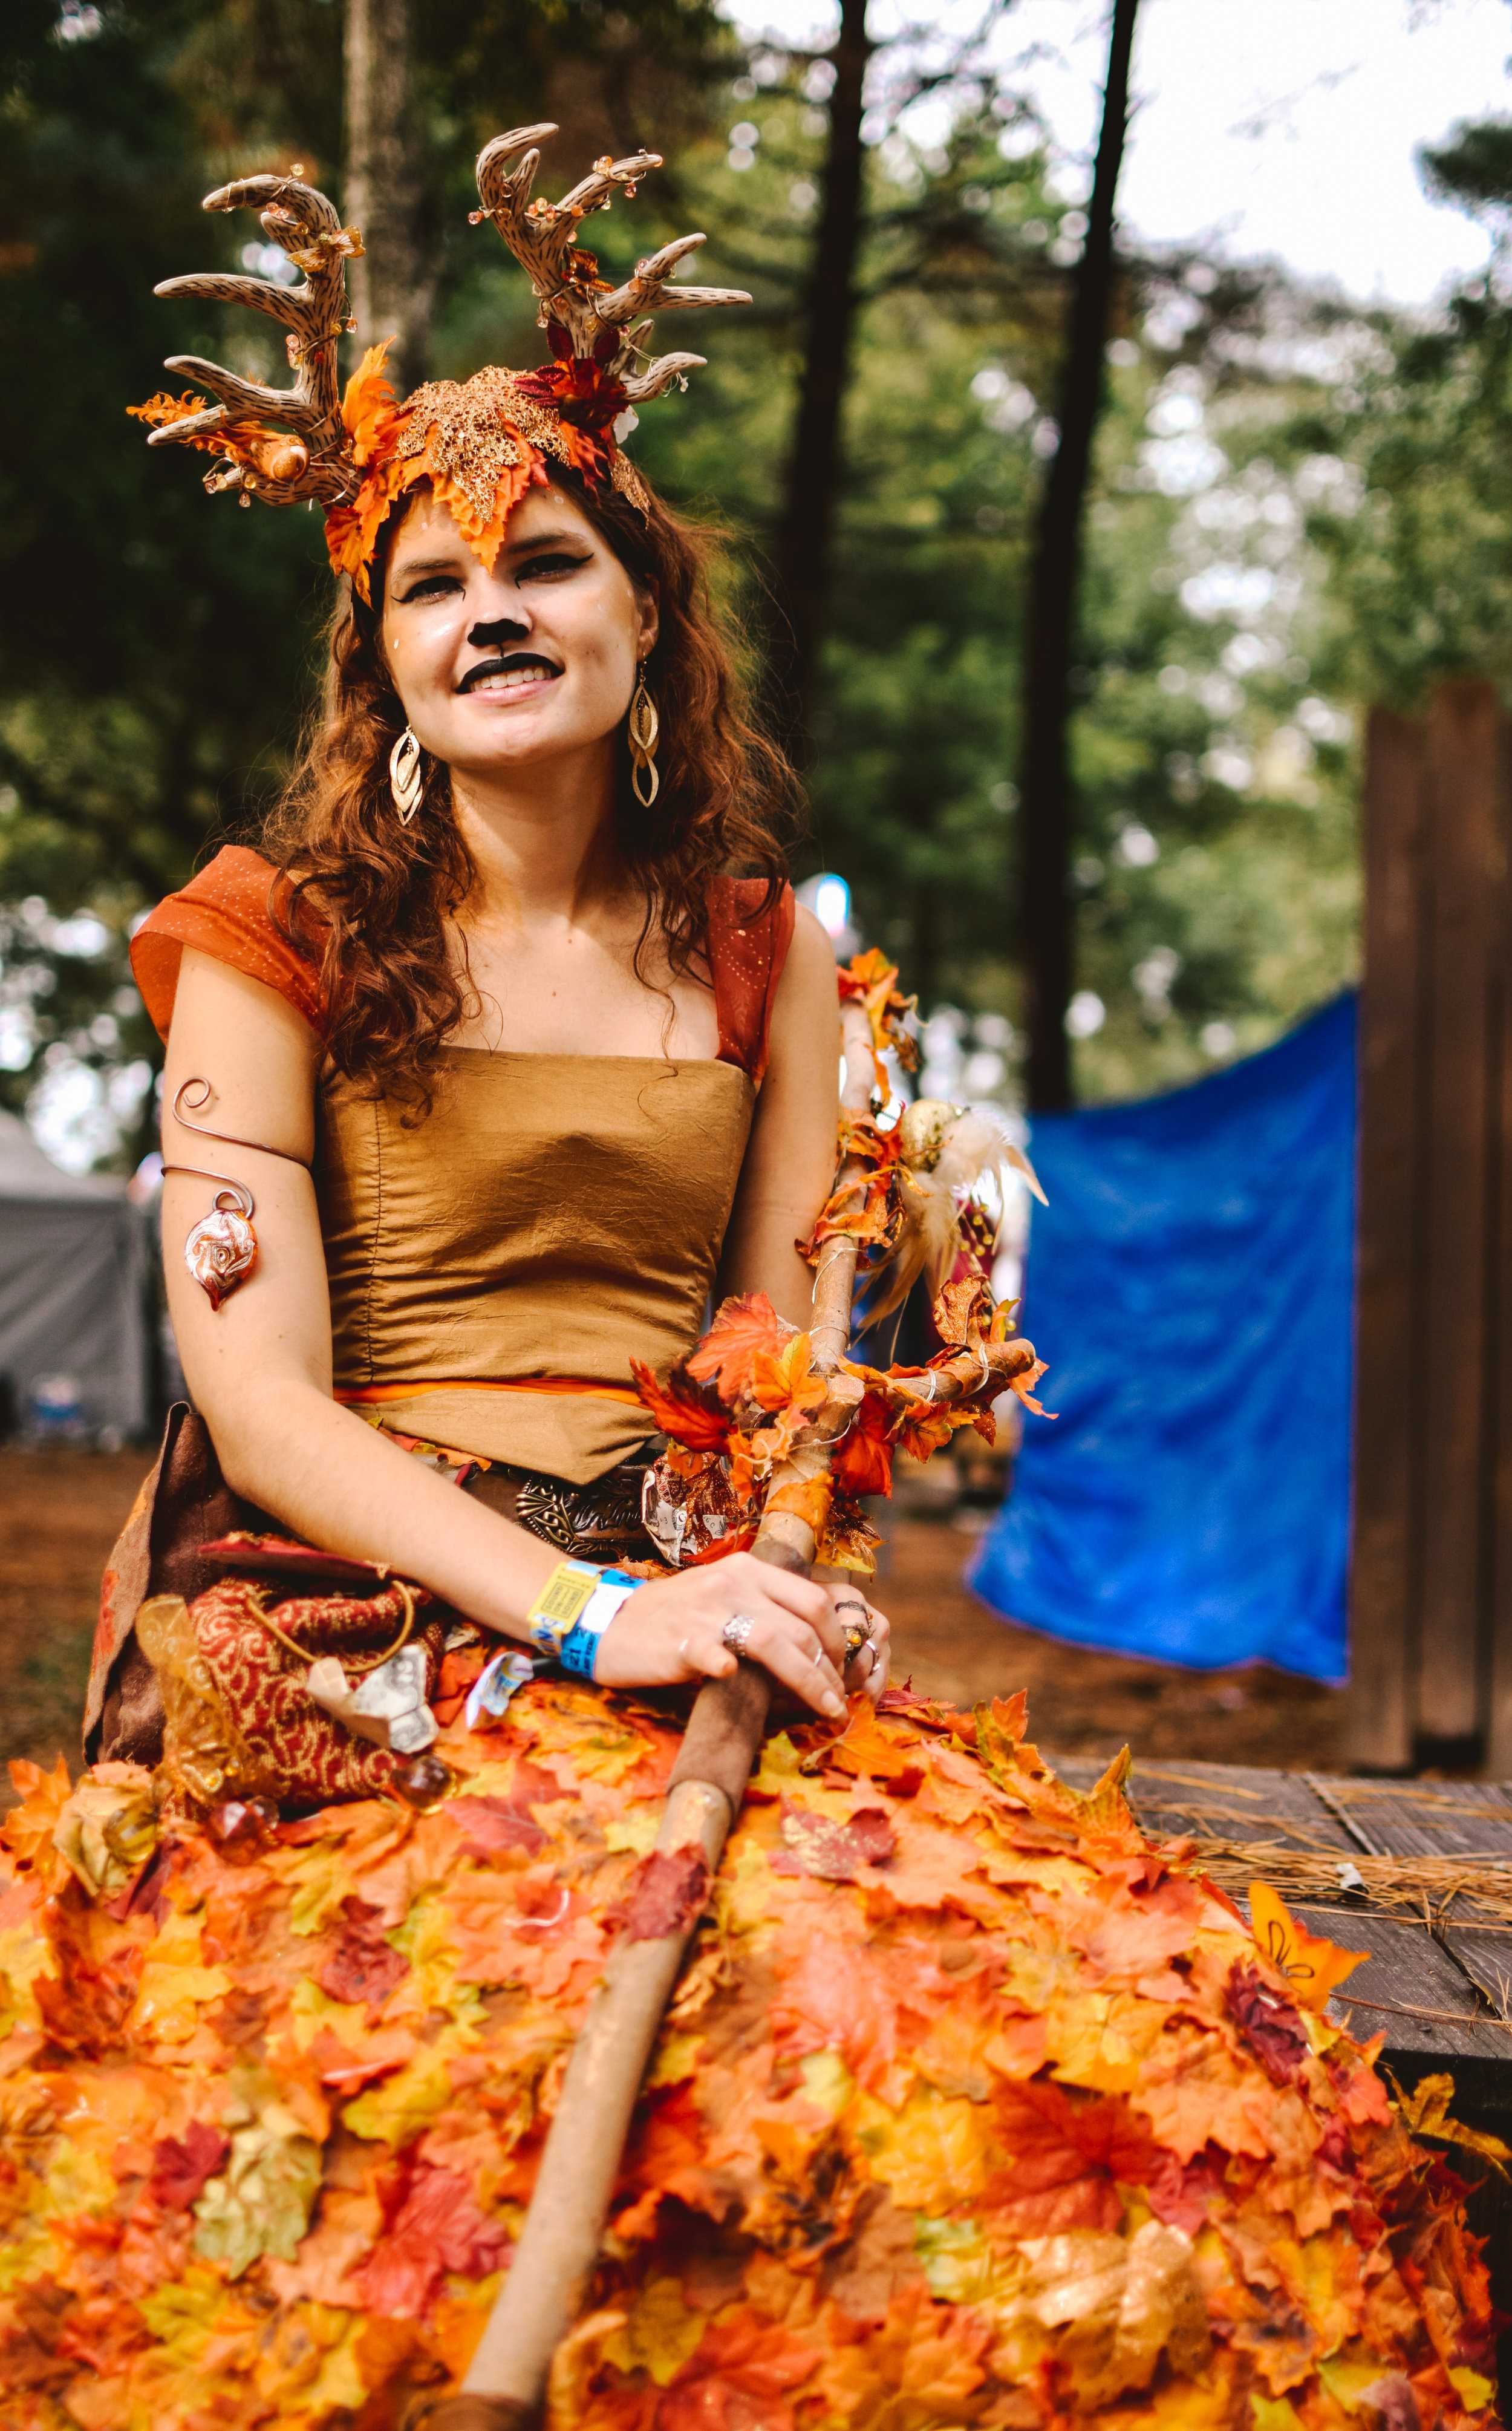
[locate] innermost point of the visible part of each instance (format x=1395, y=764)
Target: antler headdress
x=480, y=443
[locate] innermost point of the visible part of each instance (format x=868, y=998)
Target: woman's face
x=498, y=671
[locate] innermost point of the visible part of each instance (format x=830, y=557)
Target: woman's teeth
x=513, y=679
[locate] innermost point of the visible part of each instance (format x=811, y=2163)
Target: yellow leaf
x=1474, y=2390
x=635, y=1832
x=394, y=2111
x=677, y=2056
x=1274, y=2413
x=1425, y=2112
x=1312, y=1966
x=658, y=2336
x=932, y=2153
x=171, y=1996
x=827, y=2082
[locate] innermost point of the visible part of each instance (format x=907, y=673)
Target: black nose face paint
x=498, y=634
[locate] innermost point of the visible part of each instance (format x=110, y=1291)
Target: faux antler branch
x=543, y=238
x=314, y=460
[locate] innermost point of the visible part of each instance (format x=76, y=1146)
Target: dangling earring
x=407, y=777
x=644, y=727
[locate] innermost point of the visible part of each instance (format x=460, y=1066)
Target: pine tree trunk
x=392, y=283
x=1045, y=809
x=802, y=540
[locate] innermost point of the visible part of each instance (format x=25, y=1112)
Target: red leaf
x=726, y=1357
x=436, y=2225
x=668, y=1891
x=833, y=1853
x=183, y=2165
x=863, y=1461
x=489, y=1824
x=680, y=1412
x=358, y=1964
x=1180, y=2193
x=1269, y=2026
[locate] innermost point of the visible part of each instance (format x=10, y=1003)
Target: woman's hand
x=674, y=1629
x=868, y=1666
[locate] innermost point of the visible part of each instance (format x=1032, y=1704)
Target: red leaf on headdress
x=559, y=342
x=359, y=1965
x=182, y=2166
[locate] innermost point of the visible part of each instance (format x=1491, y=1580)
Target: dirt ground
x=59, y=1512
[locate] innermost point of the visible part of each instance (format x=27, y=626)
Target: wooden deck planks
x=1449, y=1819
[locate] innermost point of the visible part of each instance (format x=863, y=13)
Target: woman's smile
x=509, y=678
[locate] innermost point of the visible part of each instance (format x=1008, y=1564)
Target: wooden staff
x=560, y=2244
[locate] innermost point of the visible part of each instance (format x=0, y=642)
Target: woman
x=972, y=2106
x=520, y=916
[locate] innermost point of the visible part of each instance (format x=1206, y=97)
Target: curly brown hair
x=368, y=900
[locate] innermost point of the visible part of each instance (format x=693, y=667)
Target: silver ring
x=736, y=1632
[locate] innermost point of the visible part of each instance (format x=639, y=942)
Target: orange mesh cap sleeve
x=748, y=948
x=225, y=912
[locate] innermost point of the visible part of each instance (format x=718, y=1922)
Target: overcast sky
x=1266, y=126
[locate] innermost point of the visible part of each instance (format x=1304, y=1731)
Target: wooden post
x=1384, y=1567
x=1431, y=1571
x=1464, y=819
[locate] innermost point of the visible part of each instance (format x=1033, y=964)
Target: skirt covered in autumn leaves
x=974, y=2107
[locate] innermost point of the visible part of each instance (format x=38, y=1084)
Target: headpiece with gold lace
x=480, y=442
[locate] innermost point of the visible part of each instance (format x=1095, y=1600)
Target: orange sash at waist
x=604, y=1392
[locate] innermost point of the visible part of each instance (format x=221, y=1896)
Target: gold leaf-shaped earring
x=644, y=729
x=407, y=777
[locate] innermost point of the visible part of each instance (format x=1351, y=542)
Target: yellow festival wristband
x=560, y=1606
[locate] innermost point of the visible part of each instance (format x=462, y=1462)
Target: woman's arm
x=789, y=1165
x=259, y=1370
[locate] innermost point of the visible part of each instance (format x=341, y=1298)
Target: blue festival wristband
x=578, y=1651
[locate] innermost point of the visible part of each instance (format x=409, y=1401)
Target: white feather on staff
x=946, y=1153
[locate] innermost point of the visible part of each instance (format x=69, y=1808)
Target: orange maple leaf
x=1311, y=1965
x=29, y=1826
x=863, y=1463
x=742, y=1328
x=680, y=1412
x=788, y=1380
x=370, y=410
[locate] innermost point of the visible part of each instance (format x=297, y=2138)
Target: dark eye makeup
x=551, y=561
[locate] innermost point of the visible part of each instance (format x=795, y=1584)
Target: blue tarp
x=1191, y=1285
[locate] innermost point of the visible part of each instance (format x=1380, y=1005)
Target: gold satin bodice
x=551, y=1219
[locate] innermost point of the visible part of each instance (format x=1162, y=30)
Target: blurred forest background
x=1298, y=506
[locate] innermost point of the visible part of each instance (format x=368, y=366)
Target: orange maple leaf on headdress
x=372, y=414
x=162, y=411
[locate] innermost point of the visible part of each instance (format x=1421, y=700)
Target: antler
x=315, y=462
x=543, y=238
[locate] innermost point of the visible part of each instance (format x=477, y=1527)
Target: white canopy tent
x=72, y=1285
